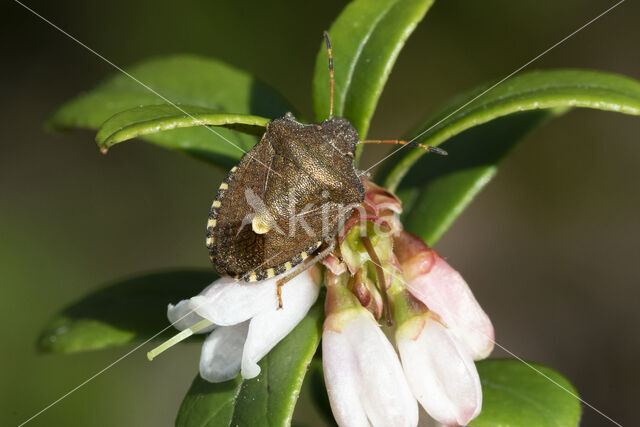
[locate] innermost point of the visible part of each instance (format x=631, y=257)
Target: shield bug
x=281, y=207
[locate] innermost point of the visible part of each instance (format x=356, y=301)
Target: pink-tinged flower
x=439, y=370
x=378, y=271
x=364, y=379
x=244, y=321
x=441, y=327
x=443, y=290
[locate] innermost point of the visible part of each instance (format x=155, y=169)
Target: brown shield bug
x=287, y=198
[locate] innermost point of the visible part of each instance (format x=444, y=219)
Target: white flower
x=440, y=370
x=364, y=379
x=246, y=321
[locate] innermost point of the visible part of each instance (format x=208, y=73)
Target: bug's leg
x=429, y=148
x=300, y=268
x=279, y=294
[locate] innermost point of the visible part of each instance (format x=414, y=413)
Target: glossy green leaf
x=150, y=119
x=120, y=313
x=366, y=39
x=268, y=399
x=438, y=189
x=315, y=390
x=181, y=79
x=515, y=395
x=529, y=91
x=435, y=189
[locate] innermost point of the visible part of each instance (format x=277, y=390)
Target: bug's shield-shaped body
x=287, y=196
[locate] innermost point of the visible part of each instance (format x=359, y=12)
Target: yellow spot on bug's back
x=211, y=223
x=233, y=169
x=223, y=186
x=261, y=223
x=318, y=243
x=253, y=277
x=304, y=255
x=287, y=265
x=210, y=241
x=216, y=204
x=270, y=273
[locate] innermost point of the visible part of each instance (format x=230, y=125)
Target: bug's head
x=338, y=132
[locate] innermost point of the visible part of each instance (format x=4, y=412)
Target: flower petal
x=334, y=265
x=443, y=290
x=228, y=301
x=341, y=376
x=268, y=328
x=440, y=371
x=222, y=352
x=364, y=376
x=183, y=317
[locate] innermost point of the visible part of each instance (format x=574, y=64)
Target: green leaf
x=529, y=91
x=268, y=399
x=127, y=310
x=181, y=79
x=437, y=189
x=366, y=39
x=516, y=395
x=314, y=389
x=156, y=118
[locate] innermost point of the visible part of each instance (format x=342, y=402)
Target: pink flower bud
x=439, y=370
x=443, y=290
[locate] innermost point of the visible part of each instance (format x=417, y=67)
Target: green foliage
x=150, y=119
x=478, y=130
x=267, y=400
x=314, y=389
x=483, y=132
x=529, y=91
x=515, y=395
x=366, y=39
x=128, y=310
x=181, y=79
x=438, y=189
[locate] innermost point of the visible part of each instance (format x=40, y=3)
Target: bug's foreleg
x=302, y=267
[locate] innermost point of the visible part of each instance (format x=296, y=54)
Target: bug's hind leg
x=300, y=268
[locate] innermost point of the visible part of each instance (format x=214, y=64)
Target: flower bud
x=439, y=370
x=443, y=290
x=365, y=382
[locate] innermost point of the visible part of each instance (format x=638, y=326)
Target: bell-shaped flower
x=443, y=290
x=439, y=370
x=364, y=378
x=243, y=320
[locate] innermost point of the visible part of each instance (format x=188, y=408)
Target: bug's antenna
x=429, y=148
x=328, y=43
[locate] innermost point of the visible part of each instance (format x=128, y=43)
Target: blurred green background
x=550, y=248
